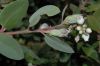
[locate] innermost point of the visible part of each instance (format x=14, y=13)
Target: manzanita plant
x=67, y=39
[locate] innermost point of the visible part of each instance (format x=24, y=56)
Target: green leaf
x=93, y=6
x=94, y=20
x=10, y=48
x=90, y=52
x=57, y=44
x=50, y=10
x=69, y=64
x=84, y=64
x=75, y=9
x=31, y=57
x=72, y=19
x=64, y=57
x=79, y=45
x=13, y=13
x=29, y=54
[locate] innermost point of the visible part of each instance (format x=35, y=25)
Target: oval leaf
x=94, y=23
x=10, y=48
x=90, y=52
x=50, y=10
x=13, y=13
x=64, y=57
x=94, y=20
x=57, y=44
x=30, y=55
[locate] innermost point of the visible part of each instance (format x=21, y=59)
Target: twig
x=25, y=32
x=42, y=31
x=63, y=12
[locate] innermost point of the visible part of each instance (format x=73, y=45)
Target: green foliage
x=10, y=48
x=93, y=6
x=57, y=44
x=29, y=54
x=13, y=13
x=94, y=21
x=47, y=50
x=91, y=52
x=84, y=65
x=49, y=10
x=31, y=57
x=65, y=57
x=75, y=9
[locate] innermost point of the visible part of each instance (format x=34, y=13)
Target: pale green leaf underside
x=13, y=13
x=10, y=48
x=57, y=44
x=49, y=10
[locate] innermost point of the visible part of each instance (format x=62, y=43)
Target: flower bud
x=44, y=26
x=77, y=38
x=78, y=28
x=88, y=30
x=80, y=32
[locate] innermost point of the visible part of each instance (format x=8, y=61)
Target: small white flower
x=86, y=37
x=80, y=20
x=84, y=31
x=88, y=30
x=77, y=38
x=80, y=32
x=78, y=28
x=44, y=26
x=30, y=64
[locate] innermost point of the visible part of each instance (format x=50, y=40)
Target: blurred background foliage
x=40, y=54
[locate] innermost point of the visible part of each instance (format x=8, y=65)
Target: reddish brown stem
x=23, y=32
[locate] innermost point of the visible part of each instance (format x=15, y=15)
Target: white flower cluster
x=78, y=19
x=84, y=31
